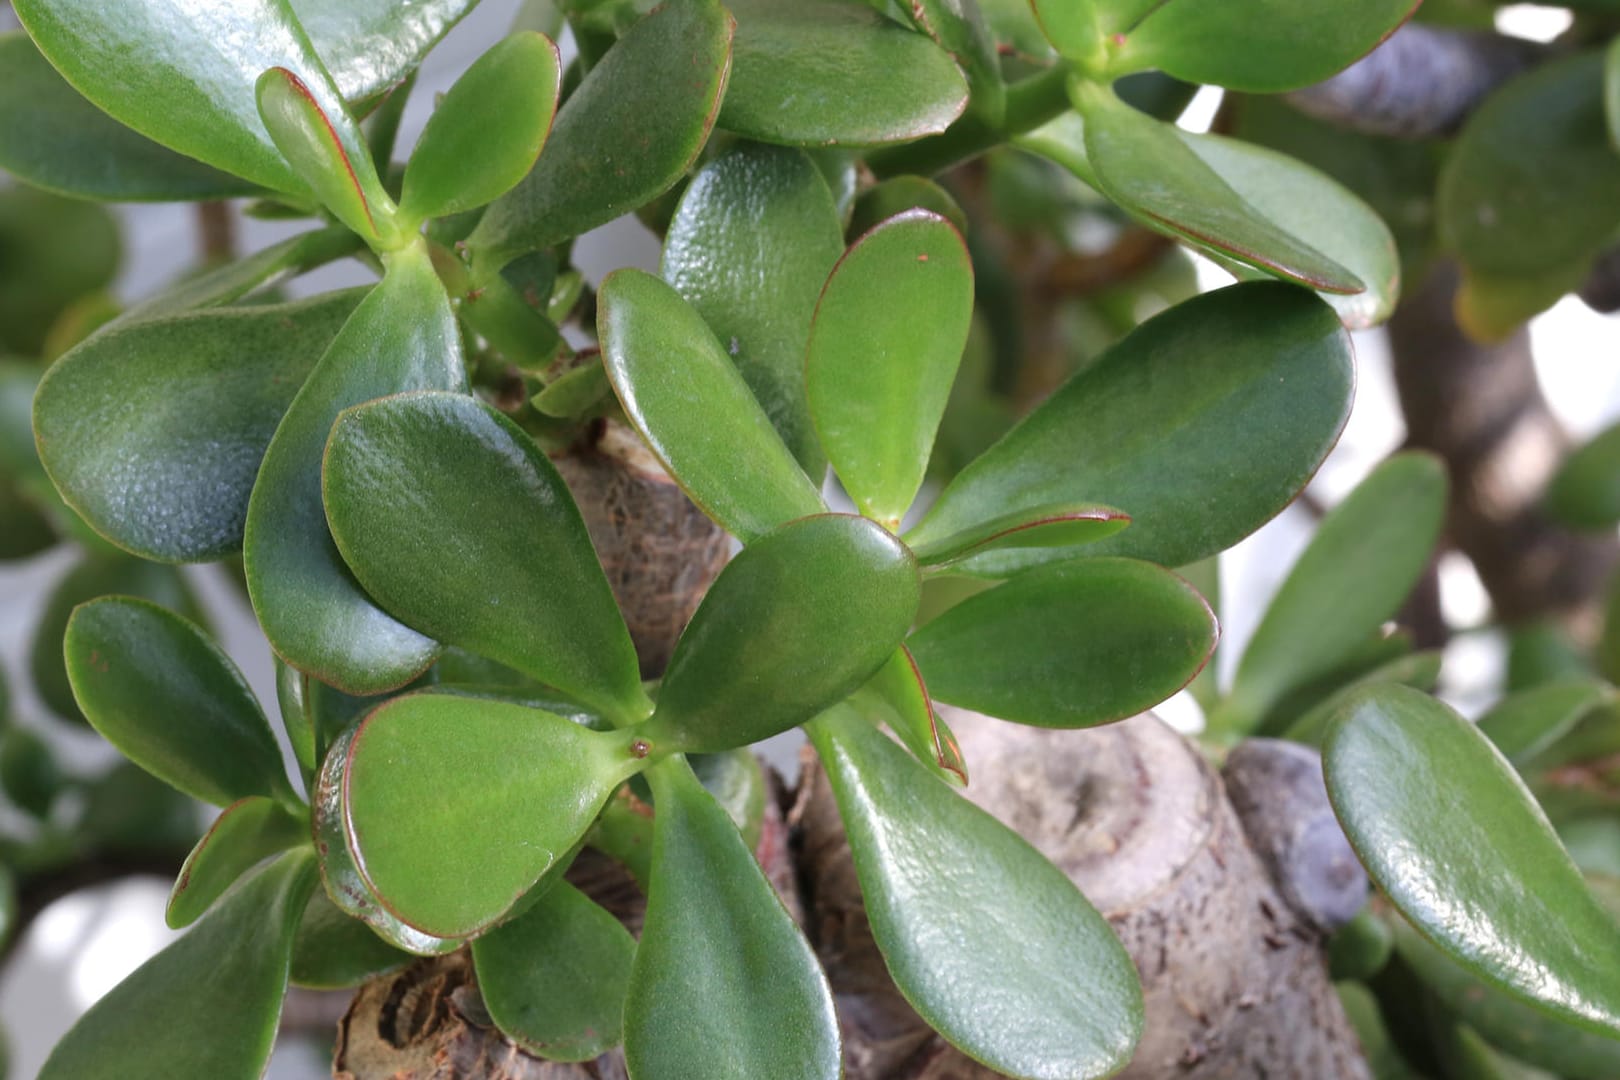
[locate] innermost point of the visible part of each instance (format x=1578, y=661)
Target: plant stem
x=1030, y=104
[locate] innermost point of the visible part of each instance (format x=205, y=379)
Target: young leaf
x=1585, y=492
x=836, y=73
x=1362, y=562
x=888, y=334
x=1149, y=427
x=899, y=697
x=1038, y=527
x=155, y=687
x=208, y=1005
x=487, y=132
x=554, y=978
x=1020, y=652
x=663, y=361
x=153, y=431
x=623, y=138
x=1449, y=833
x=246, y=833
x=752, y=242
x=723, y=983
x=455, y=807
x=401, y=337
x=1524, y=724
x=334, y=951
x=457, y=523
x=794, y=624
x=934, y=870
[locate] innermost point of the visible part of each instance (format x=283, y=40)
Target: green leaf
x=554, y=978
x=1449, y=833
x=724, y=985
x=897, y=696
x=248, y=832
x=896, y=195
x=292, y=693
x=457, y=523
x=401, y=337
x=1611, y=91
x=154, y=431
x=1147, y=167
x=726, y=456
x=1263, y=46
x=959, y=28
x=623, y=138
x=155, y=687
x=235, y=280
x=935, y=873
x=752, y=242
x=334, y=951
x=1419, y=669
x=1524, y=724
x=455, y=807
x=1585, y=492
x=888, y=334
x=1039, y=527
x=1361, y=564
x=369, y=45
x=57, y=251
x=29, y=773
x=795, y=623
x=836, y=73
x=487, y=132
x=51, y=137
x=1019, y=651
x=209, y=1004
x=1149, y=426
x=1071, y=26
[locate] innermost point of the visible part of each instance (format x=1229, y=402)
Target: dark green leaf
x=724, y=985
x=235, y=280
x=369, y=45
x=401, y=337
x=1149, y=426
x=694, y=410
x=1038, y=527
x=247, y=832
x=29, y=773
x=292, y=692
x=1524, y=724
x=334, y=951
x=1449, y=833
x=554, y=978
x=1585, y=492
x=456, y=522
x=1419, y=669
x=794, y=624
x=958, y=27
x=129, y=812
x=899, y=698
x=935, y=872
x=57, y=251
x=737, y=783
x=898, y=194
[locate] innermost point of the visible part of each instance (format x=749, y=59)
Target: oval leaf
x=334, y=951
x=456, y=522
x=1585, y=492
x=1040, y=527
x=901, y=700
x=1524, y=724
x=888, y=335
x=794, y=624
x=246, y=833
x=1449, y=833
x=369, y=45
x=663, y=361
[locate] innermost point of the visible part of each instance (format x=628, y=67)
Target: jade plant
x=494, y=666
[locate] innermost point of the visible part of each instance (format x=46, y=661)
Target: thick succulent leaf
x=1585, y=492
x=183, y=74
x=935, y=872
x=1524, y=724
x=888, y=335
x=1489, y=306
x=247, y=832
x=334, y=950
x=458, y=524
x=369, y=45
x=897, y=696
x=209, y=1004
x=1361, y=564
x=794, y=624
x=959, y=28
x=455, y=807
x=752, y=242
x=235, y=280
x=1071, y=26
x=1072, y=644
x=694, y=409
x=724, y=984
x=51, y=137
x=1039, y=527
x=898, y=194
x=401, y=337
x=836, y=73
x=155, y=687
x=58, y=251
x=554, y=978
x=1449, y=833
x=1149, y=426
x=623, y=138
x=485, y=135
x=1259, y=45
x=154, y=431
x=1419, y=669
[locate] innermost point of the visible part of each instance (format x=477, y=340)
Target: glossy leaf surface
x=401, y=337
x=1524, y=724
x=751, y=244
x=1148, y=428
x=794, y=624
x=899, y=697
x=990, y=968
x=154, y=431
x=247, y=832
x=155, y=687
x=959, y=28
x=1038, y=527
x=723, y=983
x=1585, y=492
x=235, y=280
x=888, y=335
x=623, y=138
x=694, y=409
x=369, y=45
x=554, y=978
x=457, y=523
x=1449, y=833
x=898, y=194
x=455, y=807
x=208, y=1005
x=334, y=951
